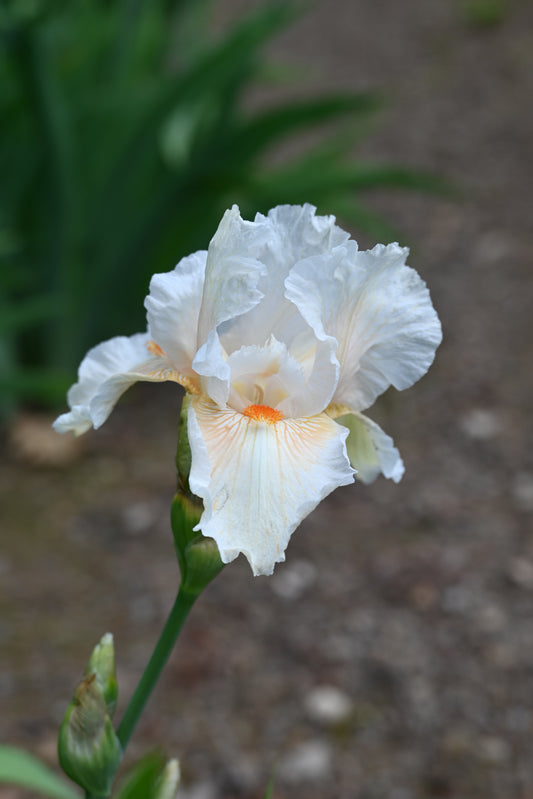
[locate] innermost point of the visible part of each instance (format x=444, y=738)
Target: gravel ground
x=391, y=656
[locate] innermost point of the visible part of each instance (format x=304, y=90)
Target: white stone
x=520, y=572
x=481, y=424
x=293, y=579
x=202, y=790
x=492, y=750
x=327, y=705
x=522, y=490
x=138, y=517
x=307, y=761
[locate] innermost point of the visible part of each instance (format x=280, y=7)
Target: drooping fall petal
x=104, y=375
x=259, y=479
x=370, y=449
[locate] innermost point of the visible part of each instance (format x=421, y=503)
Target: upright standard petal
x=377, y=309
x=233, y=271
x=293, y=232
x=230, y=289
x=104, y=375
x=370, y=449
x=173, y=307
x=259, y=477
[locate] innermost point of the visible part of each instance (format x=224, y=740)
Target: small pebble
x=5, y=567
x=307, y=761
x=143, y=609
x=327, y=705
x=520, y=572
x=481, y=424
x=518, y=719
x=522, y=491
x=491, y=619
x=202, y=790
x=291, y=581
x=138, y=517
x=492, y=750
x=456, y=599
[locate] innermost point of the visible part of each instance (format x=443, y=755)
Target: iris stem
x=178, y=614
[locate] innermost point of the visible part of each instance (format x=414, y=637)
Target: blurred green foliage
x=485, y=13
x=124, y=135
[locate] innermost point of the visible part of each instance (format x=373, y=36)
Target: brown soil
x=414, y=601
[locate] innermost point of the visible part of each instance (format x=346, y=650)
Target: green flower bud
x=88, y=748
x=183, y=453
x=169, y=781
x=185, y=514
x=203, y=564
x=198, y=557
x=102, y=664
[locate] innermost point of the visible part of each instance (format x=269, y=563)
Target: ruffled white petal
x=379, y=312
x=173, y=307
x=259, y=480
x=104, y=375
x=298, y=382
x=232, y=271
x=230, y=289
x=211, y=363
x=371, y=451
x=293, y=232
x=264, y=376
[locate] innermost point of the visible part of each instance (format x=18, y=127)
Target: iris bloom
x=283, y=332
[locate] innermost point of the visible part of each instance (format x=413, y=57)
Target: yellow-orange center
x=263, y=413
x=154, y=348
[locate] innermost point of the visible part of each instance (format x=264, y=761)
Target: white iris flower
x=283, y=332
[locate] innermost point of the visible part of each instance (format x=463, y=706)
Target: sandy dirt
x=391, y=656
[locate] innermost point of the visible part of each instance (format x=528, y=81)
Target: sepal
x=198, y=556
x=88, y=748
x=183, y=452
x=102, y=665
x=203, y=563
x=168, y=785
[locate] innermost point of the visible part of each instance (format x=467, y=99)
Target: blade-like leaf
x=358, y=218
x=27, y=312
x=43, y=384
x=211, y=74
x=20, y=768
x=302, y=182
x=265, y=129
x=141, y=782
x=269, y=793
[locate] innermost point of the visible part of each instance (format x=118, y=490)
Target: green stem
x=178, y=614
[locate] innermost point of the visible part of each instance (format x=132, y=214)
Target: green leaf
x=266, y=128
x=219, y=67
x=44, y=384
x=27, y=312
x=141, y=782
x=359, y=218
x=302, y=181
x=17, y=767
x=269, y=793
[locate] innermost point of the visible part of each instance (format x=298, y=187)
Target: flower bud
x=88, y=748
x=169, y=781
x=102, y=664
x=184, y=516
x=203, y=564
x=183, y=452
x=198, y=557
